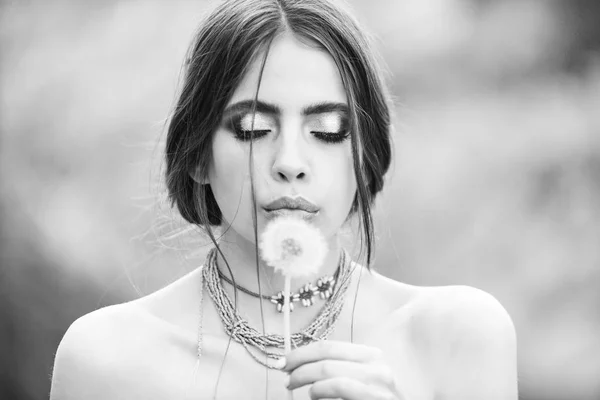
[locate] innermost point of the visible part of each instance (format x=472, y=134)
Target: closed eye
x=329, y=127
x=331, y=137
x=245, y=135
x=241, y=126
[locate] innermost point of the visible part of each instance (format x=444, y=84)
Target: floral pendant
x=279, y=300
x=325, y=287
x=307, y=294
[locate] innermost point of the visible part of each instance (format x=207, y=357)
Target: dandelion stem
x=287, y=288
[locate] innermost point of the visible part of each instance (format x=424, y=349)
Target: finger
x=313, y=372
x=346, y=389
x=333, y=350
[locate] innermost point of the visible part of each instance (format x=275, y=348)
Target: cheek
x=349, y=168
x=351, y=181
x=341, y=177
x=226, y=162
x=227, y=173
x=351, y=185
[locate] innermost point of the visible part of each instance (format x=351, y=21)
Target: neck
x=240, y=255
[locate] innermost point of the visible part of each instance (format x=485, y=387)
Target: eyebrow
x=268, y=108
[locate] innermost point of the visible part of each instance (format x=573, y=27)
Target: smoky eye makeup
x=240, y=124
x=330, y=127
x=327, y=126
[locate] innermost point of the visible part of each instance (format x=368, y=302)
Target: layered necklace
x=331, y=289
x=305, y=295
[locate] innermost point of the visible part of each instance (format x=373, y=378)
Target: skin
x=407, y=342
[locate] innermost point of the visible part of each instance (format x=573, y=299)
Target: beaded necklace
x=306, y=295
x=271, y=345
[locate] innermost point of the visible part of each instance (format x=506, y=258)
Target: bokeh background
x=496, y=182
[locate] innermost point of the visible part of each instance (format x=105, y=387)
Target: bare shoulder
x=382, y=295
x=466, y=310
x=469, y=313
x=117, y=352
x=94, y=351
x=471, y=342
x=449, y=342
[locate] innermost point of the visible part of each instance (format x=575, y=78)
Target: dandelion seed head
x=293, y=247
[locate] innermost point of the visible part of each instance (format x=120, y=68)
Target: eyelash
x=327, y=137
x=331, y=137
x=244, y=136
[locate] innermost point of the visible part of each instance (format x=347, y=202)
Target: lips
x=291, y=203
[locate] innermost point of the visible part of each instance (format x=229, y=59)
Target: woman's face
x=301, y=155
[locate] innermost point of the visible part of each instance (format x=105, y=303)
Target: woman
x=283, y=113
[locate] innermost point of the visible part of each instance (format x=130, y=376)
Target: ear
x=198, y=175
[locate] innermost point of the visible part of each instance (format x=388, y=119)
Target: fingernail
x=280, y=364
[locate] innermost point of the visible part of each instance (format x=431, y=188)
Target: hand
x=341, y=370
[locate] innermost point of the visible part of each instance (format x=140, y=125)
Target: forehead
x=295, y=75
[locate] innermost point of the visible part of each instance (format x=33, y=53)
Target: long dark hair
x=230, y=38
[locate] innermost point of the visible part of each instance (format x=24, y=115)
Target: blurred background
x=496, y=182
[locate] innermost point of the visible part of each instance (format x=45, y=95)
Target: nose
x=290, y=162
